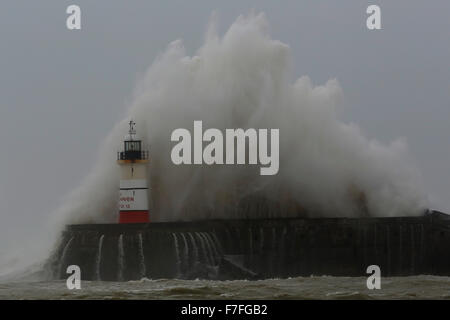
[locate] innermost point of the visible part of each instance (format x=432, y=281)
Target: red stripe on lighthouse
x=134, y=217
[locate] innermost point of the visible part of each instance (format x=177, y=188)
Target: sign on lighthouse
x=133, y=198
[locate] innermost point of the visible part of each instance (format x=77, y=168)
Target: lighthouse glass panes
x=133, y=198
x=132, y=151
x=132, y=146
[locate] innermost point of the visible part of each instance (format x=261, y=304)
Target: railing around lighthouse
x=132, y=155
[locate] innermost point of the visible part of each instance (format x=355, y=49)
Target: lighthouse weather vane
x=132, y=130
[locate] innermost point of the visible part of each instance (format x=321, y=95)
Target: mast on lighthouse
x=133, y=198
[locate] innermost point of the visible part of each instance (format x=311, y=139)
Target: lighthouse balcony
x=132, y=155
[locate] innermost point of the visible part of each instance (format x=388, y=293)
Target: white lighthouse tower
x=133, y=199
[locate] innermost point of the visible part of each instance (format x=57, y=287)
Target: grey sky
x=62, y=91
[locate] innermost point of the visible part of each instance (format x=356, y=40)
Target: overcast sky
x=62, y=91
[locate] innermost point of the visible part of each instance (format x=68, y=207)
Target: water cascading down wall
x=254, y=249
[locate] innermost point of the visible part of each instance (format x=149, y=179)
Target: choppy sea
x=320, y=287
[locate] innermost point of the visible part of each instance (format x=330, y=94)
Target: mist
x=243, y=79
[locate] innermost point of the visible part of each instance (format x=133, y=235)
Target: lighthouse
x=133, y=196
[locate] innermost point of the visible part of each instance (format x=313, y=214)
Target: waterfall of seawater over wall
x=142, y=268
x=63, y=257
x=213, y=245
x=120, y=258
x=194, y=245
x=186, y=250
x=177, y=254
x=197, y=254
x=209, y=250
x=98, y=258
x=217, y=243
x=203, y=247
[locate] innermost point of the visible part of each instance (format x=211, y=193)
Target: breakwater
x=256, y=249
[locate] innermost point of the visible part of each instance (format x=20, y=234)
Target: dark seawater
x=324, y=287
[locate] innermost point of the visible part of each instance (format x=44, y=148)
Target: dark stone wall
x=252, y=249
